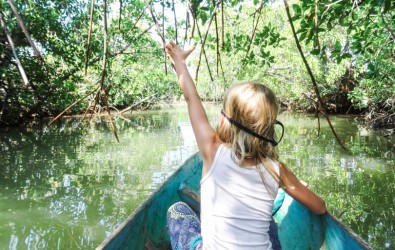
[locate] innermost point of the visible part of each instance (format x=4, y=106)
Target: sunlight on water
x=70, y=185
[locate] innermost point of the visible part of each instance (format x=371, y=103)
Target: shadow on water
x=68, y=186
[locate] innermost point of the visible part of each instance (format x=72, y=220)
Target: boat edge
x=350, y=232
x=141, y=207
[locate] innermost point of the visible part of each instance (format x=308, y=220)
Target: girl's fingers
x=168, y=49
x=189, y=51
x=172, y=43
x=168, y=45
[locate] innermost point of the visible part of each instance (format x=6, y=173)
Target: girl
x=240, y=175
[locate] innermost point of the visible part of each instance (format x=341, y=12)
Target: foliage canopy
x=348, y=44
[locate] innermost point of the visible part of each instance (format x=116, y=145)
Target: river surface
x=68, y=186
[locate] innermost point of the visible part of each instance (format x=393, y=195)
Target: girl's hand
x=177, y=54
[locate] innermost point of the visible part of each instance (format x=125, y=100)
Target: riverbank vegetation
x=108, y=55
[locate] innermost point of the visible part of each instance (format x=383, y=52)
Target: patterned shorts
x=183, y=226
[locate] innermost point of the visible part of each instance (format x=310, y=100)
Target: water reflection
x=357, y=185
x=69, y=185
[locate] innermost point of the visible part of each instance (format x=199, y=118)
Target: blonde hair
x=254, y=106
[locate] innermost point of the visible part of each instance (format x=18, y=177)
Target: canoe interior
x=148, y=222
x=298, y=228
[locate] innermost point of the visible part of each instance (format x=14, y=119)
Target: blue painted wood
x=148, y=222
x=298, y=227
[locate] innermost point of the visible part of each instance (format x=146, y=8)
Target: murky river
x=70, y=185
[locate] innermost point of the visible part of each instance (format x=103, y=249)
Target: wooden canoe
x=298, y=228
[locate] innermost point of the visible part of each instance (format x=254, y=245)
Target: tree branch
x=163, y=34
x=175, y=21
x=205, y=37
x=138, y=19
x=186, y=22
x=104, y=60
x=200, y=57
x=223, y=25
x=160, y=33
x=19, y=64
x=217, y=38
x=316, y=25
x=95, y=103
x=120, y=15
x=320, y=104
x=72, y=105
x=94, y=106
x=109, y=112
x=23, y=27
x=390, y=30
x=96, y=59
x=103, y=73
x=254, y=29
x=137, y=103
x=89, y=37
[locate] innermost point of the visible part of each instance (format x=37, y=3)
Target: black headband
x=249, y=131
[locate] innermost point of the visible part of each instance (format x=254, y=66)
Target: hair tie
x=249, y=131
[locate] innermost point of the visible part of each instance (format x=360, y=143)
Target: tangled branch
x=320, y=105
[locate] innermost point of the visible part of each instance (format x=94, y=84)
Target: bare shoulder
x=209, y=156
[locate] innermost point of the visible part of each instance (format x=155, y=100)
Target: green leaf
x=343, y=21
x=371, y=67
x=338, y=46
x=302, y=36
x=315, y=52
x=329, y=25
x=296, y=8
x=203, y=17
x=387, y=6
x=311, y=34
x=308, y=40
x=356, y=46
x=296, y=17
x=354, y=15
x=337, y=6
x=301, y=31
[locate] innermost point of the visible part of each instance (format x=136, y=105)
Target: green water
x=70, y=185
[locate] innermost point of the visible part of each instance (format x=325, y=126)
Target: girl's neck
x=249, y=162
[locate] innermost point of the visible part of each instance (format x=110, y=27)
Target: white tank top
x=236, y=206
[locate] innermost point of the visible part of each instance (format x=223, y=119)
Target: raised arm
x=206, y=137
x=301, y=192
